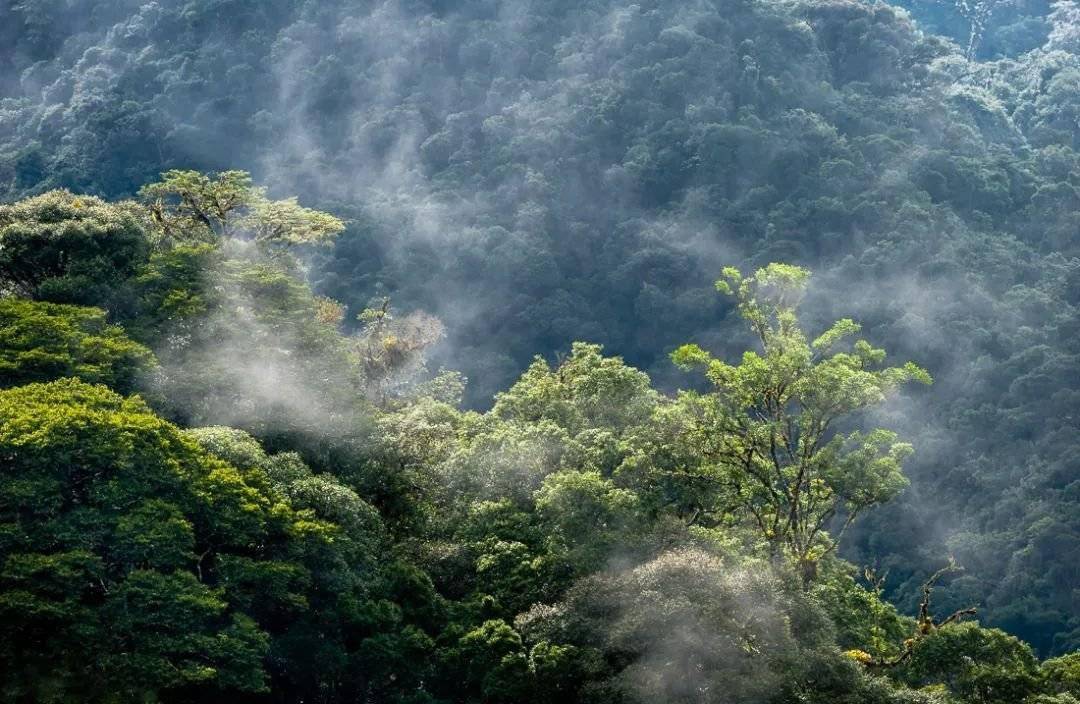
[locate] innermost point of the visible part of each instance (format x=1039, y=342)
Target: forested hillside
x=342, y=474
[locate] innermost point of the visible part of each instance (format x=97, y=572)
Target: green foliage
x=168, y=631
x=321, y=494
x=495, y=662
x=174, y=287
x=47, y=341
x=587, y=390
x=588, y=516
x=683, y=627
x=137, y=565
x=65, y=248
x=357, y=537
x=190, y=206
x=770, y=424
x=239, y=342
x=864, y=621
x=618, y=154
x=978, y=664
x=1062, y=674
x=107, y=516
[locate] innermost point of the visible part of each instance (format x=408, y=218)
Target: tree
x=322, y=494
x=65, y=248
x=494, y=663
x=46, y=341
x=240, y=342
x=771, y=423
x=140, y=562
x=585, y=391
x=1062, y=674
x=683, y=627
x=189, y=205
x=115, y=530
x=587, y=516
x=983, y=665
x=392, y=353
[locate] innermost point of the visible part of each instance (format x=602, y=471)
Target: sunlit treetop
x=47, y=341
x=189, y=205
x=391, y=352
x=66, y=248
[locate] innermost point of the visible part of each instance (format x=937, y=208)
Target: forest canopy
x=352, y=532
x=375, y=350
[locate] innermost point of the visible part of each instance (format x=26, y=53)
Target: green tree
x=340, y=616
x=115, y=530
x=585, y=391
x=980, y=665
x=189, y=205
x=46, y=341
x=683, y=627
x=70, y=249
x=1061, y=675
x=867, y=626
x=494, y=663
x=240, y=343
x=771, y=425
x=586, y=516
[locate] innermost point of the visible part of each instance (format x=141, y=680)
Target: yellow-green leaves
x=188, y=205
x=770, y=425
x=690, y=356
x=784, y=282
x=47, y=341
x=133, y=562
x=730, y=282
x=88, y=474
x=840, y=330
x=288, y=222
x=776, y=286
x=916, y=373
x=586, y=390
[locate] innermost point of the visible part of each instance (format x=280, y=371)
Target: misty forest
x=540, y=352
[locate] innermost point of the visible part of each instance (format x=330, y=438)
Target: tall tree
x=771, y=424
x=116, y=533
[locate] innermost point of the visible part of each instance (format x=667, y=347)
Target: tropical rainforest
x=467, y=351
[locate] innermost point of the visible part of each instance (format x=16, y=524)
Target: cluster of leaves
x=70, y=249
x=188, y=205
x=45, y=341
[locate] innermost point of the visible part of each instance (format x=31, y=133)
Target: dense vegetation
x=356, y=536
x=511, y=177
